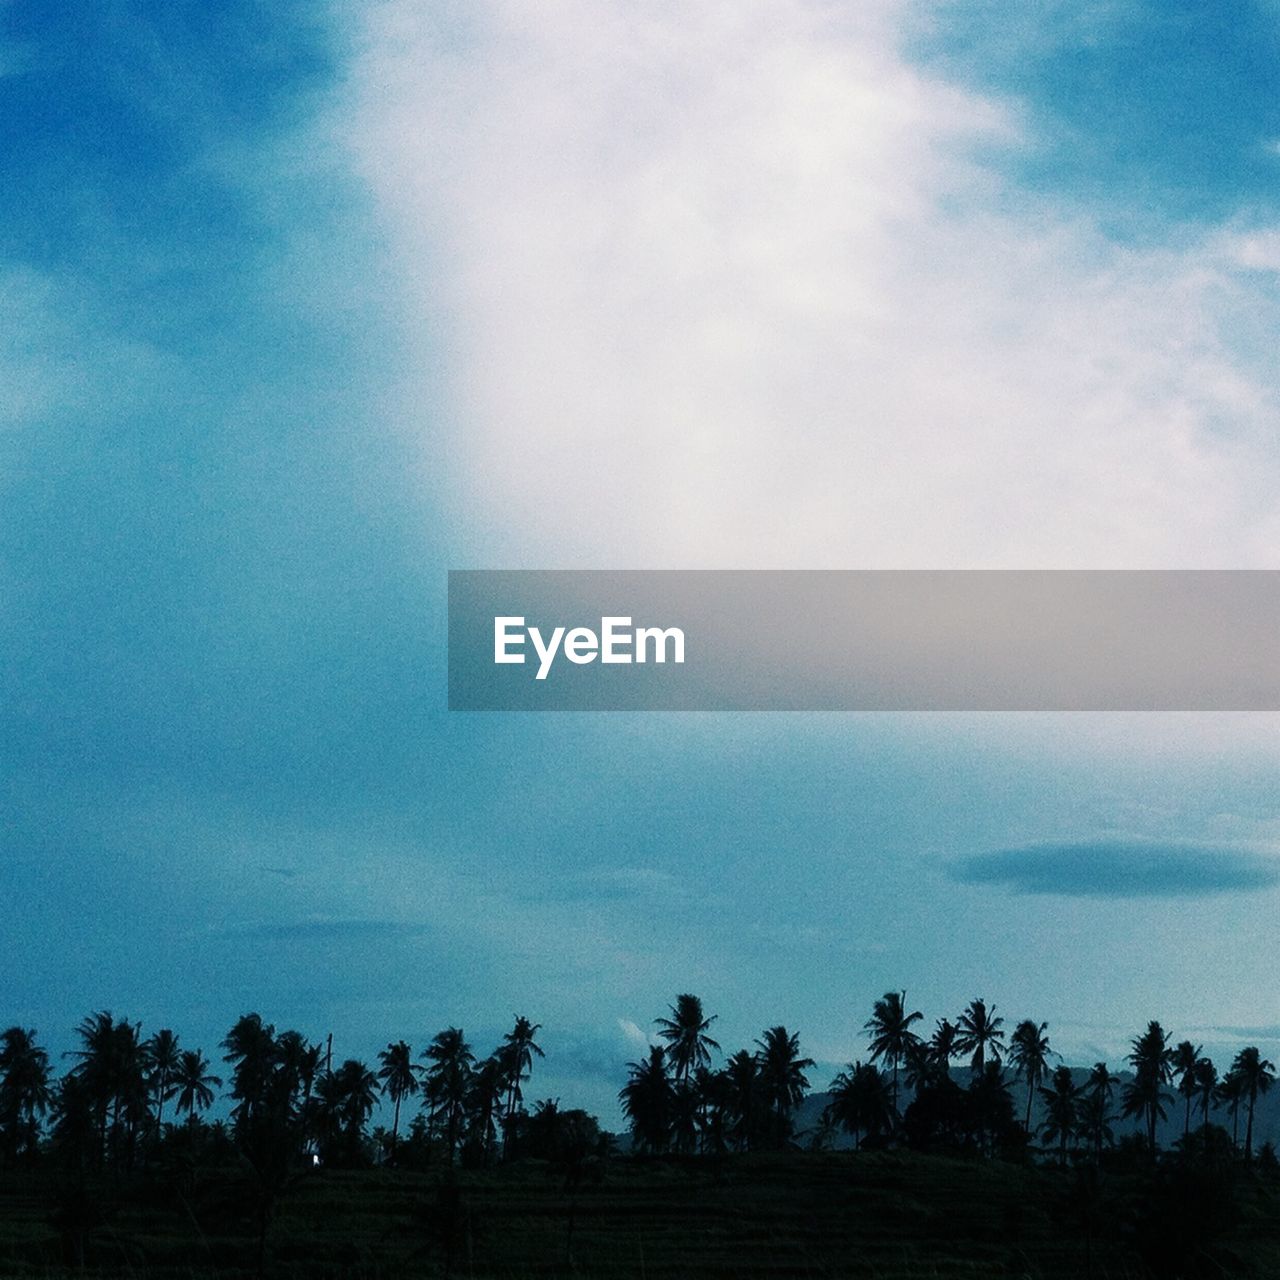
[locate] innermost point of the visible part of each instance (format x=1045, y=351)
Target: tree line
x=967, y=1085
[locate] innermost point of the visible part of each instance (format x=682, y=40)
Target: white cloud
x=733, y=286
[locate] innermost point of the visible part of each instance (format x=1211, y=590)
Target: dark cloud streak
x=1120, y=869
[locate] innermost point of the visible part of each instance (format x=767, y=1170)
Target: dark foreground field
x=887, y=1215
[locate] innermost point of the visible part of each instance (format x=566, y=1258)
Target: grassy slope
x=875, y=1215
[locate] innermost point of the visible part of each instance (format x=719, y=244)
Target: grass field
x=892, y=1216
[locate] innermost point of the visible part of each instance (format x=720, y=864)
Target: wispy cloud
x=1120, y=869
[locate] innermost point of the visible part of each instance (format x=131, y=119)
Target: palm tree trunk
x=1031, y=1093
x=1248, y=1132
x=395, y=1129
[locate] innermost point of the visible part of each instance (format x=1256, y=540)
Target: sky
x=302, y=305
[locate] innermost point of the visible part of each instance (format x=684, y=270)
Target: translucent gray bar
x=867, y=640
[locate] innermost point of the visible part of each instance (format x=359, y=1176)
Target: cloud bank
x=1120, y=869
x=752, y=287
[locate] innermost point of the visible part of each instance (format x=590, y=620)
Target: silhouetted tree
x=399, y=1076
x=744, y=1099
x=979, y=1033
x=519, y=1048
x=1183, y=1061
x=1062, y=1118
x=25, y=1092
x=892, y=1039
x=1206, y=1081
x=110, y=1066
x=1256, y=1075
x=861, y=1102
x=192, y=1084
x=347, y=1097
x=1029, y=1052
x=688, y=1044
x=1144, y=1096
x=1098, y=1091
x=160, y=1060
x=251, y=1053
x=783, y=1082
x=448, y=1081
x=489, y=1086
x=646, y=1101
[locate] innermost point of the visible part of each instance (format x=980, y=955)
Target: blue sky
x=304, y=306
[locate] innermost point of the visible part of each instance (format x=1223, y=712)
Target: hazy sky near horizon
x=303, y=305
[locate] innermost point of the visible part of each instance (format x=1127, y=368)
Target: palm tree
x=688, y=1045
x=24, y=1092
x=192, y=1084
x=942, y=1044
x=160, y=1055
x=1029, y=1052
x=1096, y=1111
x=1144, y=1096
x=516, y=1056
x=1062, y=1119
x=347, y=1098
x=861, y=1102
x=978, y=1033
x=448, y=1080
x=112, y=1072
x=1230, y=1094
x=399, y=1076
x=1256, y=1075
x=1206, y=1078
x=647, y=1101
x=783, y=1082
x=743, y=1097
x=252, y=1053
x=1183, y=1061
x=489, y=1084
x=892, y=1039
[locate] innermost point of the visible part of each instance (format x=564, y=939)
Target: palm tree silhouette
x=192, y=1084
x=743, y=1097
x=1183, y=1061
x=647, y=1101
x=489, y=1085
x=1029, y=1052
x=1144, y=1096
x=979, y=1033
x=892, y=1039
x=1230, y=1094
x=1256, y=1075
x=516, y=1056
x=347, y=1098
x=160, y=1057
x=24, y=1092
x=1206, y=1082
x=1061, y=1111
x=251, y=1052
x=783, y=1082
x=448, y=1081
x=942, y=1044
x=688, y=1045
x=111, y=1069
x=1096, y=1106
x=399, y=1076
x=861, y=1102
